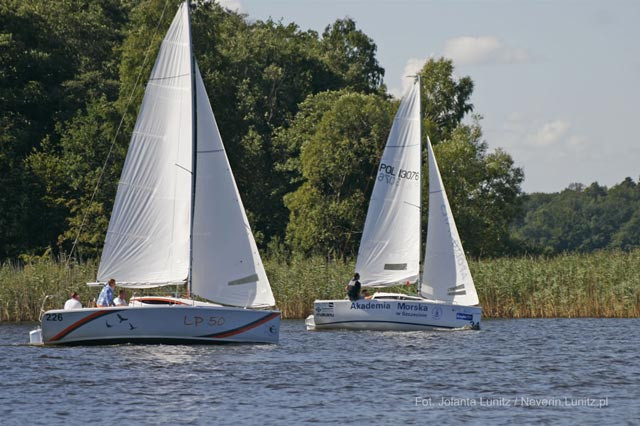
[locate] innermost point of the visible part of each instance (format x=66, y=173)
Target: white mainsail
x=149, y=236
x=446, y=276
x=147, y=243
x=226, y=263
x=390, y=246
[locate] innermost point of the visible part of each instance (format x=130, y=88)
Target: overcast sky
x=555, y=81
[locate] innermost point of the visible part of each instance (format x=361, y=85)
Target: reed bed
x=23, y=288
x=602, y=284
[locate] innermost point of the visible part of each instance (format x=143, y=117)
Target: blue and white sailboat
x=390, y=246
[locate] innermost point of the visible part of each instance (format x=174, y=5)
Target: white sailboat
x=177, y=219
x=389, y=251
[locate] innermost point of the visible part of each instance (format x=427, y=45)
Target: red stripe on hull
x=83, y=321
x=247, y=327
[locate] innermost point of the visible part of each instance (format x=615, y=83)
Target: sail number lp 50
x=195, y=320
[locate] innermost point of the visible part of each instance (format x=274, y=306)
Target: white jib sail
x=446, y=276
x=147, y=243
x=226, y=263
x=390, y=246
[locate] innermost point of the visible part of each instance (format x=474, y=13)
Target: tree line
x=581, y=219
x=304, y=117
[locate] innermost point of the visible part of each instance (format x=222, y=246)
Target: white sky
x=556, y=81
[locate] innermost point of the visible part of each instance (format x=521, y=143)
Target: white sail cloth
x=149, y=236
x=226, y=263
x=147, y=242
x=390, y=246
x=446, y=276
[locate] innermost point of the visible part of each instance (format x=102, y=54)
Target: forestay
x=147, y=243
x=390, y=246
x=446, y=276
x=226, y=263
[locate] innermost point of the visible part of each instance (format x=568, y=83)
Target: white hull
x=392, y=314
x=177, y=324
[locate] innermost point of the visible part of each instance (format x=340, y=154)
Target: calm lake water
x=560, y=371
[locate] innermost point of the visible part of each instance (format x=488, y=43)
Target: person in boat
x=73, y=302
x=353, y=288
x=364, y=294
x=121, y=300
x=105, y=299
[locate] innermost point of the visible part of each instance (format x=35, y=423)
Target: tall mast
x=420, y=204
x=194, y=148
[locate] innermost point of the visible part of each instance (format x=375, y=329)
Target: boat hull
x=160, y=324
x=402, y=315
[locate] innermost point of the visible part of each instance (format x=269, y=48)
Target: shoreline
x=35, y=322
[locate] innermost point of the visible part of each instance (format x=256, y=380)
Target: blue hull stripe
x=387, y=322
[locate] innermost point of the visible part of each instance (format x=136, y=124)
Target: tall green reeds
x=602, y=284
x=23, y=288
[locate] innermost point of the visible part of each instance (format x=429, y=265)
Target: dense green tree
x=341, y=147
x=80, y=163
x=627, y=237
x=582, y=219
x=257, y=75
x=445, y=100
x=351, y=56
x=303, y=116
x=71, y=170
x=54, y=56
x=483, y=189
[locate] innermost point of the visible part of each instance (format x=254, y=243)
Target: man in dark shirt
x=353, y=288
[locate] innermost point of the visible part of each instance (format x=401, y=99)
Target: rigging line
x=115, y=137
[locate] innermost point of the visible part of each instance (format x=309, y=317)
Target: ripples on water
x=336, y=377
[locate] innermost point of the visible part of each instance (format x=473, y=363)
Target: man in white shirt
x=121, y=300
x=73, y=302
